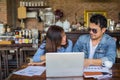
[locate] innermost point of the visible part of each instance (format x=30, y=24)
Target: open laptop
x=64, y=64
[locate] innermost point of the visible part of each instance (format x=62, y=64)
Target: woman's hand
x=36, y=63
x=43, y=58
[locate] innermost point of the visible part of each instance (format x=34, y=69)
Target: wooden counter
x=74, y=35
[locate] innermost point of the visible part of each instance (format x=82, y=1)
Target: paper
x=97, y=72
x=96, y=69
x=31, y=71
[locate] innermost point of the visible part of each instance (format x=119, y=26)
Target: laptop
x=64, y=64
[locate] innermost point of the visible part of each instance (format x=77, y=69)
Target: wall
x=70, y=8
x=3, y=11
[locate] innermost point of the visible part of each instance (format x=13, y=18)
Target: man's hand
x=89, y=62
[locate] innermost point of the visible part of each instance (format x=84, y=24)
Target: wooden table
x=5, y=68
x=4, y=54
x=115, y=73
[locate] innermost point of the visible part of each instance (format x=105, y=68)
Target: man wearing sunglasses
x=99, y=48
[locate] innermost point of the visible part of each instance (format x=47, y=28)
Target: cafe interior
x=24, y=23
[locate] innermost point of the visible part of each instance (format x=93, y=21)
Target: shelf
x=35, y=8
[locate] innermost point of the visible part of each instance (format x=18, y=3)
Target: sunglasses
x=93, y=30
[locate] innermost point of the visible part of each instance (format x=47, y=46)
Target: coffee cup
x=108, y=64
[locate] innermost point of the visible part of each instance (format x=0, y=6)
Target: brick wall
x=70, y=7
x=3, y=11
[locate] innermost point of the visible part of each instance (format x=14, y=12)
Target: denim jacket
x=106, y=49
x=41, y=50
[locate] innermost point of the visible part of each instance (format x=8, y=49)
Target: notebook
x=96, y=71
x=64, y=64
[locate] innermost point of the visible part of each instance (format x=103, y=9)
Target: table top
x=115, y=75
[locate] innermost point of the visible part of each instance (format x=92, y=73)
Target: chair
x=23, y=53
x=4, y=62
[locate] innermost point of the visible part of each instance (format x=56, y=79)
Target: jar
x=49, y=18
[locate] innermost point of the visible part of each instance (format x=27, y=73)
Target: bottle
x=16, y=40
x=42, y=3
x=45, y=2
x=20, y=37
x=8, y=29
x=16, y=34
x=59, y=23
x=30, y=36
x=34, y=42
x=23, y=36
x=66, y=25
x=34, y=38
x=26, y=36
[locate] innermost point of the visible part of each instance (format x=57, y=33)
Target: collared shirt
x=106, y=49
x=41, y=50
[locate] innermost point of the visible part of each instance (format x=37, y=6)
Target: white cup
x=108, y=64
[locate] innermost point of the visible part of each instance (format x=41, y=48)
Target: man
x=98, y=47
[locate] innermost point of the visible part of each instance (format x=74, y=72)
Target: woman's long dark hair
x=54, y=38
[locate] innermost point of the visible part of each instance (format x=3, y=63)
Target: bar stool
x=4, y=54
x=23, y=52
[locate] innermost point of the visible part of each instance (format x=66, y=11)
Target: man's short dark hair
x=99, y=19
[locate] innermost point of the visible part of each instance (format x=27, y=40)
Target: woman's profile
x=55, y=41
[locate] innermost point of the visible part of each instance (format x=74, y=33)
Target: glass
x=49, y=18
x=35, y=43
x=34, y=38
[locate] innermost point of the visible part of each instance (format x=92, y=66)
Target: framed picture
x=88, y=14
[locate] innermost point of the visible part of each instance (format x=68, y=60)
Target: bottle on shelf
x=26, y=36
x=30, y=36
x=34, y=38
x=20, y=37
x=66, y=25
x=16, y=36
x=23, y=36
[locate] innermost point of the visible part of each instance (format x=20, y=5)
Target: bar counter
x=75, y=34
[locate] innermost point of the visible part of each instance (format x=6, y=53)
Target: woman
x=55, y=41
